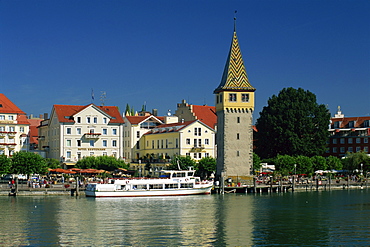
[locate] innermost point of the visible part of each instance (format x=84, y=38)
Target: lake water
x=315, y=218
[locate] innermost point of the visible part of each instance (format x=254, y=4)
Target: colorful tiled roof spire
x=235, y=76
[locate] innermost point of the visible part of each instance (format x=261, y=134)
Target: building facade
x=348, y=134
x=184, y=138
x=234, y=108
x=73, y=132
x=14, y=128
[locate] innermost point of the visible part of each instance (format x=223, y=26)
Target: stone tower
x=234, y=108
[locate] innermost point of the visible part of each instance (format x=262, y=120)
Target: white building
x=73, y=132
x=14, y=128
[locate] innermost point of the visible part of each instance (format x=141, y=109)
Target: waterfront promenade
x=266, y=186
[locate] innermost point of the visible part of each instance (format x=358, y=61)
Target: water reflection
x=311, y=219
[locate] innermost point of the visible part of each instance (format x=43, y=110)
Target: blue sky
x=160, y=52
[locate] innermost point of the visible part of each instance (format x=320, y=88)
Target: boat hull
x=147, y=193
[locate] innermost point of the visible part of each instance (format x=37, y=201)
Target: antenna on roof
x=103, y=97
x=235, y=20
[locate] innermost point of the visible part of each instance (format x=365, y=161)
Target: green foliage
x=256, y=162
x=28, y=163
x=284, y=164
x=107, y=163
x=292, y=123
x=319, y=163
x=334, y=163
x=304, y=165
x=5, y=164
x=52, y=163
x=183, y=161
x=353, y=161
x=206, y=166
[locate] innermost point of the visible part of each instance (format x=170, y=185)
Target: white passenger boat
x=170, y=183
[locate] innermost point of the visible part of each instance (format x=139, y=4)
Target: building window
x=358, y=140
x=104, y=143
x=161, y=143
x=366, y=149
x=199, y=142
x=92, y=143
x=104, y=153
x=206, y=155
x=68, y=154
x=206, y=141
x=68, y=131
x=195, y=155
x=237, y=136
x=68, y=143
x=104, y=120
x=237, y=153
x=114, y=154
x=197, y=132
x=358, y=149
x=341, y=140
x=157, y=144
x=114, y=143
x=78, y=143
x=238, y=119
x=334, y=141
x=350, y=141
x=152, y=144
x=21, y=129
x=195, y=142
x=342, y=150
x=91, y=153
x=95, y=120
x=335, y=149
x=2, y=117
x=104, y=131
x=188, y=141
x=138, y=134
x=187, y=154
x=78, y=130
x=114, y=131
x=10, y=117
x=78, y=119
x=166, y=143
x=232, y=97
x=350, y=149
x=245, y=97
x=88, y=120
x=138, y=145
x=366, y=140
x=2, y=128
x=177, y=143
x=199, y=155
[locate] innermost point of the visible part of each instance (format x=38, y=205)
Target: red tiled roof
x=139, y=119
x=34, y=123
x=8, y=106
x=359, y=121
x=63, y=112
x=206, y=114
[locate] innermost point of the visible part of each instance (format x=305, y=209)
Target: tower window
x=238, y=119
x=245, y=97
x=237, y=136
x=232, y=97
x=237, y=153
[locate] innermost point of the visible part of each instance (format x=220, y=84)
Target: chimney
x=46, y=116
x=155, y=112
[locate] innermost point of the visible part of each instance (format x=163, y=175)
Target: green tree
x=183, y=161
x=353, y=161
x=206, y=166
x=292, y=123
x=257, y=164
x=107, y=163
x=319, y=163
x=28, y=163
x=304, y=165
x=284, y=164
x=52, y=163
x=5, y=164
x=334, y=163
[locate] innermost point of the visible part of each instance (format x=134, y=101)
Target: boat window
x=155, y=186
x=171, y=186
x=190, y=174
x=189, y=185
x=139, y=187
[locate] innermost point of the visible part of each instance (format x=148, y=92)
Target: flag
x=92, y=94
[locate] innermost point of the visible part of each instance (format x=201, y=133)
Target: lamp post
x=361, y=169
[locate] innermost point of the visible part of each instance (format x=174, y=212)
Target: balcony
x=92, y=135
